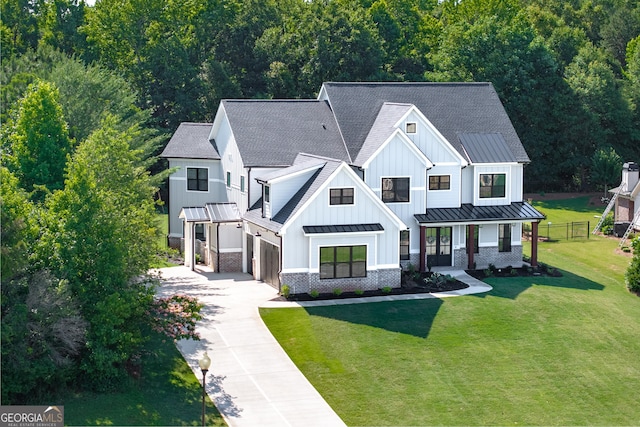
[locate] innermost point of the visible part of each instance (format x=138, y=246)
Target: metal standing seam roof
x=212, y=212
x=191, y=141
x=450, y=107
x=346, y=228
x=223, y=212
x=195, y=214
x=486, y=148
x=518, y=211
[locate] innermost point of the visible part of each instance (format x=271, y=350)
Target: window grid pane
x=343, y=262
x=492, y=185
x=197, y=179
x=395, y=190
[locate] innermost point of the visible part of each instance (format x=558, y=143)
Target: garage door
x=270, y=264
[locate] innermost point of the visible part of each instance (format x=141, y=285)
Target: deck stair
x=636, y=217
x=612, y=203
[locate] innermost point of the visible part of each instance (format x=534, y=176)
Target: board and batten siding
x=495, y=169
x=284, y=189
x=301, y=252
x=445, y=198
x=180, y=197
x=430, y=142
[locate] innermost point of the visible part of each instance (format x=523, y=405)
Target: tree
x=99, y=234
x=606, y=166
x=38, y=140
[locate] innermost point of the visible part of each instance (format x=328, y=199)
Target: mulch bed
x=408, y=288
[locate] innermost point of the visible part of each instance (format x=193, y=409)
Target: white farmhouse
x=348, y=189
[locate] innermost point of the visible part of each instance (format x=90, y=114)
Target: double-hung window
x=341, y=196
x=197, y=179
x=395, y=190
x=339, y=262
x=492, y=185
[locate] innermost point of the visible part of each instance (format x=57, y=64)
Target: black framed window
x=229, y=179
x=395, y=190
x=404, y=245
x=266, y=192
x=411, y=127
x=339, y=262
x=197, y=179
x=504, y=238
x=440, y=182
x=492, y=185
x=341, y=196
x=242, y=183
x=476, y=239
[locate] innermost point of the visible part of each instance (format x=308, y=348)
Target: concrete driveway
x=252, y=381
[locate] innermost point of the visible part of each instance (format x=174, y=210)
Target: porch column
x=423, y=248
x=470, y=245
x=534, y=244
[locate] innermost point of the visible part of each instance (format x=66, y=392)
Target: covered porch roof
x=212, y=212
x=468, y=213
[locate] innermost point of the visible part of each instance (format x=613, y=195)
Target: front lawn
x=534, y=351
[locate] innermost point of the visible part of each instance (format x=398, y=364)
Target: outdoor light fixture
x=258, y=234
x=204, y=363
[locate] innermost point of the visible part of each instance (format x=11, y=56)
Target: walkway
x=252, y=381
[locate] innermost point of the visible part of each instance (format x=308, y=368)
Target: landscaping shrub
x=285, y=291
x=632, y=277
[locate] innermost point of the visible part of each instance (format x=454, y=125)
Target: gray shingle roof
x=382, y=128
x=486, y=147
x=517, y=211
x=296, y=202
x=273, y=132
x=191, y=141
x=451, y=107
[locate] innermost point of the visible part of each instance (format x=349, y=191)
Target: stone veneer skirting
x=230, y=262
x=488, y=256
x=300, y=283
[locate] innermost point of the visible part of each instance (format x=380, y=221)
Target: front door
x=438, y=246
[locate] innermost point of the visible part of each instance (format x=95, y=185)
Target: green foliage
x=37, y=140
x=387, y=289
x=313, y=293
x=337, y=292
x=359, y=291
x=606, y=167
x=100, y=234
x=43, y=333
x=18, y=227
x=285, y=290
x=632, y=276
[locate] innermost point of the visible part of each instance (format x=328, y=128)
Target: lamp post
x=204, y=363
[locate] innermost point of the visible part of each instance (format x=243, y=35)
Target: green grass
x=167, y=394
x=534, y=351
x=570, y=210
x=163, y=225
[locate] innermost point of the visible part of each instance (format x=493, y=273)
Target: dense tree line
x=89, y=93
x=567, y=72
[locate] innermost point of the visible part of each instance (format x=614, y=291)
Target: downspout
x=280, y=269
x=218, y=247
x=193, y=246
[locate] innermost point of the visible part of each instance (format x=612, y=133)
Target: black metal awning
x=347, y=228
x=468, y=213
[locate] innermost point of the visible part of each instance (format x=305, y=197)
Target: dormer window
x=492, y=185
x=411, y=127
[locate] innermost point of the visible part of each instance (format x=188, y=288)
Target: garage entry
x=270, y=264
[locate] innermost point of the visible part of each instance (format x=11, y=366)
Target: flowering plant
x=176, y=316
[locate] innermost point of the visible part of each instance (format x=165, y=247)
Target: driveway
x=251, y=380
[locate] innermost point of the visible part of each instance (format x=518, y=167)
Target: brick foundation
x=489, y=256
x=306, y=282
x=230, y=262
